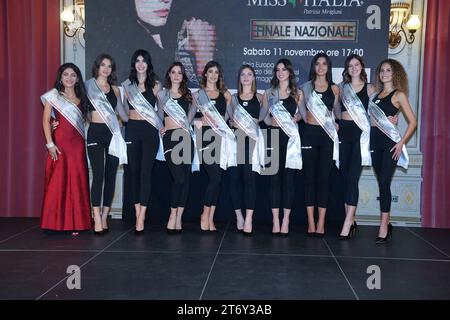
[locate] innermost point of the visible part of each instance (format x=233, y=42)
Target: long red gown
x=66, y=204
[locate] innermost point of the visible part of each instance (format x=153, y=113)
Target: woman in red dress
x=66, y=204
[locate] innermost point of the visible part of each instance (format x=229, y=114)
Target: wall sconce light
x=399, y=20
x=73, y=21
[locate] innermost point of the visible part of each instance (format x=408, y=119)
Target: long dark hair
x=96, y=66
x=220, y=84
x=184, y=90
x=80, y=90
x=275, y=83
x=150, y=79
x=312, y=70
x=239, y=84
x=346, y=77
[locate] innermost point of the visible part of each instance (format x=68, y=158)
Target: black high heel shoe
x=351, y=232
x=171, y=231
x=105, y=230
x=98, y=233
x=139, y=232
x=319, y=235
x=388, y=236
x=277, y=233
x=247, y=234
x=311, y=234
x=284, y=234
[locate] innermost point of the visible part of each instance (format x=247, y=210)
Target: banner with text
x=256, y=32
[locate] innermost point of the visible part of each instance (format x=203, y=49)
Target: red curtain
x=435, y=127
x=29, y=58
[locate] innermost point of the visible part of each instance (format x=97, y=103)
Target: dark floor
x=223, y=265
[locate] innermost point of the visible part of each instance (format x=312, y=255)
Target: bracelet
x=50, y=145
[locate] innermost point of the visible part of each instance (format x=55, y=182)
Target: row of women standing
x=350, y=142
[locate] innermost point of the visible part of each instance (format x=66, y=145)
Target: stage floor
x=224, y=265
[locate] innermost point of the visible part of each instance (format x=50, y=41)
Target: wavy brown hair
x=275, y=83
x=220, y=84
x=399, y=76
x=239, y=84
x=184, y=90
x=363, y=75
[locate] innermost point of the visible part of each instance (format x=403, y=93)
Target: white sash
x=66, y=108
x=176, y=112
x=323, y=116
x=146, y=111
x=117, y=146
x=359, y=115
x=244, y=121
x=141, y=105
x=220, y=127
x=382, y=122
x=284, y=119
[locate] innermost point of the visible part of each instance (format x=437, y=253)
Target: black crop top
x=149, y=96
x=363, y=96
x=327, y=97
x=290, y=104
x=252, y=106
x=386, y=105
x=183, y=103
x=111, y=96
x=220, y=103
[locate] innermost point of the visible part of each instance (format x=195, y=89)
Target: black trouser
x=179, y=154
x=350, y=159
x=317, y=152
x=383, y=164
x=242, y=176
x=211, y=164
x=142, y=145
x=104, y=165
x=282, y=188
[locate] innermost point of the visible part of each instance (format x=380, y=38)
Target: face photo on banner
x=171, y=30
